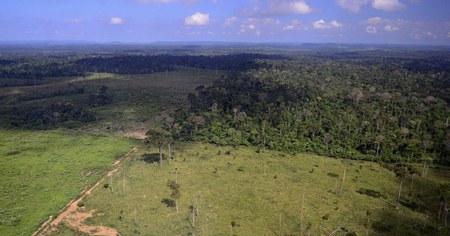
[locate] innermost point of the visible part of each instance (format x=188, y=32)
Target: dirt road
x=74, y=216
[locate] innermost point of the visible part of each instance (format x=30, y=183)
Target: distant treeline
x=149, y=64
x=51, y=67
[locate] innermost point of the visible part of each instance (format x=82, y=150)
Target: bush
x=80, y=204
x=168, y=202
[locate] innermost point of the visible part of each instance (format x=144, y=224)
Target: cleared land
x=240, y=192
x=42, y=171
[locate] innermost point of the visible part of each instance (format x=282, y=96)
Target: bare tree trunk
x=170, y=153
x=193, y=215
x=265, y=168
x=160, y=155
x=281, y=230
x=424, y=169
x=411, y=188
x=123, y=184
x=446, y=214
x=111, y=184
x=197, y=196
x=301, y=212
x=378, y=148
x=368, y=225
x=425, y=222
x=399, y=194
x=440, y=210
x=343, y=180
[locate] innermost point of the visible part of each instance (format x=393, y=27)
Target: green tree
x=175, y=187
x=158, y=137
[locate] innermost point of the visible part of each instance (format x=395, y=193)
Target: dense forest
x=364, y=108
x=35, y=68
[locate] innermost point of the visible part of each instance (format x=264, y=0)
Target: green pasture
x=41, y=172
x=240, y=192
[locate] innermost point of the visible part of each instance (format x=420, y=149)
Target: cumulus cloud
x=352, y=5
x=390, y=28
x=374, y=20
x=293, y=25
x=287, y=7
x=259, y=26
x=289, y=27
x=321, y=24
x=116, y=21
x=387, y=5
x=155, y=1
x=384, y=5
x=371, y=29
x=197, y=19
x=167, y=1
x=230, y=21
x=389, y=25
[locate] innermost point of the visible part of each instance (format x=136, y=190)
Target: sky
x=299, y=21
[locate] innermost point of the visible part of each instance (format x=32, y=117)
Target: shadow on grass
x=168, y=202
x=151, y=158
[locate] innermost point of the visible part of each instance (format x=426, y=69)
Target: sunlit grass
x=42, y=171
x=249, y=193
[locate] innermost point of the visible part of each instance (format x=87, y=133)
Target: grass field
x=240, y=192
x=41, y=172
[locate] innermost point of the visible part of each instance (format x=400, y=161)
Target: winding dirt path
x=75, y=216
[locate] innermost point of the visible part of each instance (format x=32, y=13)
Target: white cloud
x=374, y=20
x=289, y=27
x=384, y=5
x=321, y=24
x=387, y=5
x=197, y=19
x=288, y=7
x=252, y=27
x=371, y=29
x=352, y=5
x=230, y=21
x=389, y=25
x=155, y=1
x=335, y=24
x=116, y=21
x=390, y=28
x=167, y=1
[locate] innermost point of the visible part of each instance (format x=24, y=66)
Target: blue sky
x=337, y=21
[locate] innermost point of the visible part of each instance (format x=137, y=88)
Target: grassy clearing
x=42, y=171
x=246, y=193
x=138, y=101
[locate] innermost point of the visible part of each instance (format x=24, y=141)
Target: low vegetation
x=41, y=172
x=269, y=193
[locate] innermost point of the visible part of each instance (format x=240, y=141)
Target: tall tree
x=158, y=137
x=175, y=187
